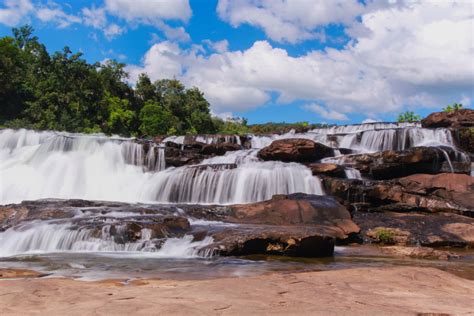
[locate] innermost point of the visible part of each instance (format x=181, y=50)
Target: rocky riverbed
x=382, y=201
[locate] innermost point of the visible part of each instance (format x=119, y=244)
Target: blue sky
x=296, y=60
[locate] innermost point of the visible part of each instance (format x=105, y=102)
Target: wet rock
x=274, y=240
x=445, y=192
x=412, y=229
x=219, y=149
x=295, y=150
x=464, y=139
x=194, y=152
x=460, y=118
x=419, y=253
x=328, y=169
x=393, y=164
x=297, y=210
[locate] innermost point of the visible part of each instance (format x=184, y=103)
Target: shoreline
x=365, y=291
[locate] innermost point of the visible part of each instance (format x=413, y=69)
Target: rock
x=328, y=169
x=193, y=152
x=294, y=225
x=295, y=150
x=419, y=252
x=464, y=139
x=219, y=149
x=393, y=164
x=295, y=241
x=297, y=210
x=445, y=192
x=460, y=118
x=412, y=229
x=20, y=274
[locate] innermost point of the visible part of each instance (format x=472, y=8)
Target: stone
x=456, y=119
x=328, y=169
x=295, y=150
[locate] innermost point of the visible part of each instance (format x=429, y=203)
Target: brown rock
x=295, y=150
x=394, y=164
x=328, y=169
x=422, y=192
x=419, y=252
x=460, y=118
x=297, y=209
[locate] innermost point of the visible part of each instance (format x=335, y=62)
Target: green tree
x=156, y=119
x=453, y=108
x=120, y=117
x=408, y=116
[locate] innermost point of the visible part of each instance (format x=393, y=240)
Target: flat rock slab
x=431, y=230
x=365, y=291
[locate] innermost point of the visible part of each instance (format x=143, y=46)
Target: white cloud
x=370, y=120
x=218, y=46
x=154, y=12
x=54, y=13
x=150, y=10
x=113, y=30
x=415, y=54
x=289, y=21
x=14, y=11
x=324, y=113
x=94, y=17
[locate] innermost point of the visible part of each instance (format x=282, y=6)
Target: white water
x=367, y=138
x=46, y=237
x=35, y=165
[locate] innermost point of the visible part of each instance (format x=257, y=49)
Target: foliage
x=62, y=91
x=279, y=128
x=408, y=116
x=385, y=236
x=453, y=107
x=156, y=119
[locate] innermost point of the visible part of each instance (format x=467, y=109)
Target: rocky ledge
x=295, y=225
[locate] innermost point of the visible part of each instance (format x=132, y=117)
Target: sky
x=332, y=61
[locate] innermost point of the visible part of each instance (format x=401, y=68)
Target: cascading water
x=49, y=237
x=37, y=165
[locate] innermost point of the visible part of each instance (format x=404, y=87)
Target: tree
x=408, y=116
x=156, y=119
x=453, y=108
x=120, y=118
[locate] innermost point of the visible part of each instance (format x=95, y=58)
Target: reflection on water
x=94, y=266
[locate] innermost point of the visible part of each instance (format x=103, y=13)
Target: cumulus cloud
x=289, y=21
x=54, y=13
x=417, y=53
x=324, y=113
x=14, y=11
x=153, y=12
x=94, y=17
x=150, y=10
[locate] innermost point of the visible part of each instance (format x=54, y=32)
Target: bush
x=385, y=236
x=408, y=116
x=453, y=108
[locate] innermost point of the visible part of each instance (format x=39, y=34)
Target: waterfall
x=49, y=237
x=37, y=165
x=224, y=184
x=367, y=138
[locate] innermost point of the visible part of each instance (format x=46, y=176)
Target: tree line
x=62, y=91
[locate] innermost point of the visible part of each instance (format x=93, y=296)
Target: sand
x=364, y=291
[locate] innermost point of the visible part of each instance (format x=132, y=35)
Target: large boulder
x=422, y=193
x=454, y=119
x=430, y=230
x=391, y=164
x=297, y=209
x=295, y=150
